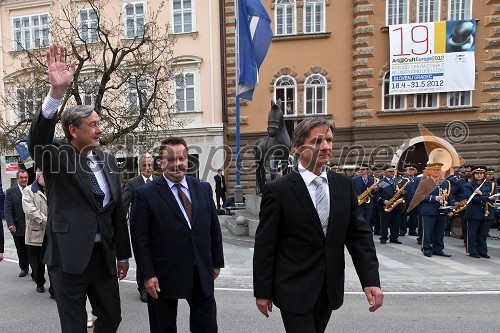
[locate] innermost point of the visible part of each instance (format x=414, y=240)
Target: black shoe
x=376, y=233
x=23, y=273
x=474, y=255
x=383, y=241
x=143, y=296
x=402, y=233
x=427, y=254
x=395, y=241
x=40, y=289
x=484, y=256
x=419, y=242
x=413, y=234
x=442, y=254
x=52, y=296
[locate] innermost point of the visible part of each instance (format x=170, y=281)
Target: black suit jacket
x=14, y=214
x=293, y=258
x=219, y=181
x=2, y=241
x=165, y=246
x=73, y=214
x=128, y=191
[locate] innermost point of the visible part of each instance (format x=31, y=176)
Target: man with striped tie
x=306, y=219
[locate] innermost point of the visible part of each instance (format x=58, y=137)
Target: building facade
x=332, y=59
x=196, y=86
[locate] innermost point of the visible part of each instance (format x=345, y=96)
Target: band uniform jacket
x=73, y=217
x=360, y=187
x=477, y=207
x=14, y=214
x=220, y=184
x=35, y=210
x=165, y=246
x=293, y=258
x=429, y=205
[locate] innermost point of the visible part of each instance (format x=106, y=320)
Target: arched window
x=285, y=91
x=314, y=16
x=285, y=17
x=315, y=94
x=392, y=102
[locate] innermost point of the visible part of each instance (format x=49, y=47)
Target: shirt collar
x=308, y=176
x=183, y=182
x=146, y=179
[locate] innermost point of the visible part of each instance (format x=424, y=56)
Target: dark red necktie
x=184, y=201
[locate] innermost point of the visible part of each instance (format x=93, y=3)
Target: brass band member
x=433, y=211
x=364, y=185
x=479, y=212
x=384, y=195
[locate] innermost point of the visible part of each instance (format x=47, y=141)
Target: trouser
x=390, y=221
x=314, y=321
x=403, y=223
x=202, y=317
x=218, y=197
x=413, y=221
x=433, y=232
x=38, y=268
x=367, y=213
x=375, y=220
x=22, y=252
x=101, y=288
x=477, y=233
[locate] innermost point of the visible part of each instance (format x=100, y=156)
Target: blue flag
x=254, y=38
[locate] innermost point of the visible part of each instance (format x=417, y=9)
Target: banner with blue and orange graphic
x=432, y=57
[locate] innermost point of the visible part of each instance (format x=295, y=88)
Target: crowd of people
x=423, y=205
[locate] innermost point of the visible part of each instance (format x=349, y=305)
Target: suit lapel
x=168, y=196
x=301, y=192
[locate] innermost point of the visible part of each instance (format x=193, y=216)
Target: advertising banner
x=432, y=57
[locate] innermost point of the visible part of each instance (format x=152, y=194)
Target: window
x=460, y=9
x=392, y=102
x=185, y=92
x=425, y=101
x=182, y=12
x=134, y=19
x=31, y=31
x=88, y=91
x=428, y=10
x=137, y=88
x=28, y=101
x=315, y=16
x=284, y=90
x=460, y=98
x=397, y=12
x=285, y=17
x=315, y=90
x=88, y=25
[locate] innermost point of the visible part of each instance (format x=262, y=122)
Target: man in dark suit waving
x=306, y=218
x=87, y=242
x=177, y=243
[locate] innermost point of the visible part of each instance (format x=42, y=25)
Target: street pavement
x=457, y=282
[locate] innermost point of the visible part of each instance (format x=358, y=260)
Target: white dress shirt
x=308, y=178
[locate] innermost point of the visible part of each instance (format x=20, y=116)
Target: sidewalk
x=402, y=267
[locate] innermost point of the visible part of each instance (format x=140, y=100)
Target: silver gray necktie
x=321, y=203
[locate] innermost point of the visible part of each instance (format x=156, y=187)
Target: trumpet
x=396, y=199
x=366, y=196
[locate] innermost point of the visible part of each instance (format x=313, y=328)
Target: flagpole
x=238, y=192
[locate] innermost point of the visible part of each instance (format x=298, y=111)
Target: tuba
x=397, y=198
x=366, y=196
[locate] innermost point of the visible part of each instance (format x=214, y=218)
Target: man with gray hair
x=87, y=242
x=145, y=163
x=306, y=219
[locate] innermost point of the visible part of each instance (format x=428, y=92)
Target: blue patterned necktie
x=96, y=189
x=321, y=203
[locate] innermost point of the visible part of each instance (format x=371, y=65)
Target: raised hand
x=60, y=75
